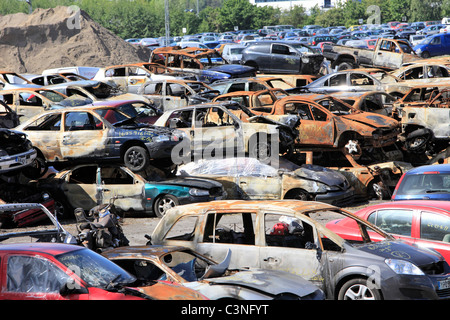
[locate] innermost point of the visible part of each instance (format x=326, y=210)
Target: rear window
x=425, y=184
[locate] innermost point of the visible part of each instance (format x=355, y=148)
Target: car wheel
x=359, y=289
x=136, y=158
x=345, y=65
x=63, y=209
x=164, y=203
x=425, y=54
x=37, y=169
x=417, y=140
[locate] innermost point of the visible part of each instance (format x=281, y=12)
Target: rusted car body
x=251, y=84
x=98, y=133
x=252, y=231
x=295, y=80
x=206, y=64
x=169, y=94
x=248, y=178
x=325, y=128
x=11, y=80
x=8, y=118
x=262, y=100
x=215, y=281
x=30, y=102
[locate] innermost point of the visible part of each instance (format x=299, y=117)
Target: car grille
x=444, y=293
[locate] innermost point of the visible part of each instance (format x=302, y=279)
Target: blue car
x=435, y=45
x=422, y=183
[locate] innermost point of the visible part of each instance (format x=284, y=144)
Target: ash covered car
x=282, y=57
x=88, y=185
x=248, y=178
x=100, y=133
x=291, y=236
x=211, y=279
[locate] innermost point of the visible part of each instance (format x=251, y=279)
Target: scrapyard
x=179, y=176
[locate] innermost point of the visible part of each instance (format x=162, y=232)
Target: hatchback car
x=98, y=133
x=291, y=236
x=431, y=182
x=422, y=222
x=54, y=271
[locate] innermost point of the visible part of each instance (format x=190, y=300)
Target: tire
x=37, y=169
x=163, y=203
x=358, y=289
x=417, y=140
x=425, y=54
x=345, y=65
x=63, y=210
x=136, y=158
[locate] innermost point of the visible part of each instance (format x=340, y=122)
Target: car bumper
x=337, y=198
x=158, y=150
x=195, y=199
x=408, y=287
x=17, y=161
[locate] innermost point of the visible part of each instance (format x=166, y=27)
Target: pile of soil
x=61, y=37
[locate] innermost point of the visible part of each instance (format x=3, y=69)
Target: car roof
x=44, y=247
x=437, y=204
x=143, y=251
x=434, y=168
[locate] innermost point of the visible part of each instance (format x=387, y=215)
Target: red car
x=54, y=271
x=422, y=222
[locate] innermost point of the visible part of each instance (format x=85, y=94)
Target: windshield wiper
x=437, y=191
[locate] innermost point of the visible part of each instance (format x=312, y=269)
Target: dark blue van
x=435, y=45
x=426, y=182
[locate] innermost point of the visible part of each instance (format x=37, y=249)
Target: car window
x=114, y=175
x=357, y=79
x=436, y=40
x=75, y=121
x=424, y=184
x=434, y=227
x=179, y=228
x=284, y=231
x=51, y=122
x=318, y=114
x=27, y=99
x=83, y=175
x=280, y=49
x=237, y=87
x=394, y=221
x=436, y=72
x=413, y=73
x=233, y=228
x=336, y=80
x=34, y=274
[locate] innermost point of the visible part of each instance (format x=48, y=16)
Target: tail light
x=396, y=187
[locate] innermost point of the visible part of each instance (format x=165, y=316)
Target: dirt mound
x=61, y=37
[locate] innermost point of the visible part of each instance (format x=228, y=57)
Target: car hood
x=321, y=174
x=192, y=182
x=398, y=249
x=371, y=119
x=232, y=69
x=270, y=281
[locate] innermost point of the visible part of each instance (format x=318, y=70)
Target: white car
x=232, y=53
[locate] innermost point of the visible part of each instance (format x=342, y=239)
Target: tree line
x=146, y=18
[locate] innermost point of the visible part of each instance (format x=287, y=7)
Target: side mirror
x=71, y=288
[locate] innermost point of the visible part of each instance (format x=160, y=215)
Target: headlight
x=198, y=192
x=161, y=139
x=418, y=51
x=45, y=196
x=403, y=267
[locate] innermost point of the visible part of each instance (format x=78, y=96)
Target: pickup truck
x=388, y=54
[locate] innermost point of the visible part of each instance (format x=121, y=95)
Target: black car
x=282, y=57
x=93, y=133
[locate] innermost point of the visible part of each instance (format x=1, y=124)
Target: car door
x=289, y=252
x=257, y=181
x=136, y=77
x=119, y=186
x=30, y=277
x=388, y=55
x=230, y=230
x=84, y=136
x=316, y=125
x=283, y=60
x=80, y=187
x=433, y=231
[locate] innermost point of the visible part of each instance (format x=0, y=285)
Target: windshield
x=425, y=183
x=236, y=50
x=53, y=96
x=94, y=269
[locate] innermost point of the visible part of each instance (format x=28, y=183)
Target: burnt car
x=282, y=57
x=16, y=152
x=139, y=110
x=100, y=133
x=252, y=84
x=200, y=62
x=248, y=178
x=8, y=118
x=169, y=94
x=211, y=279
x=88, y=185
x=291, y=236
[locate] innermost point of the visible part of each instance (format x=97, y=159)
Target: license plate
x=444, y=284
